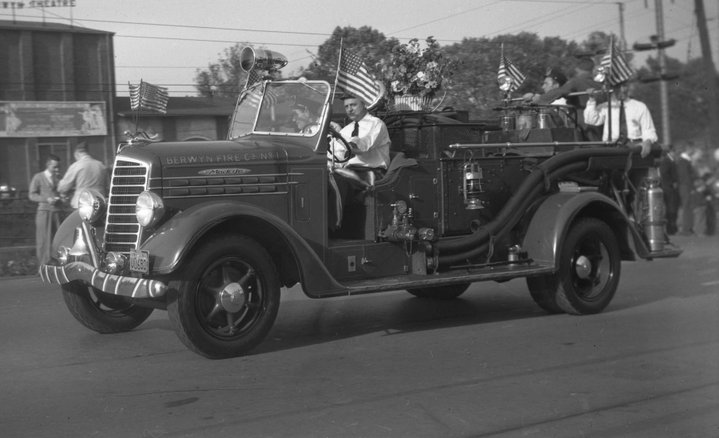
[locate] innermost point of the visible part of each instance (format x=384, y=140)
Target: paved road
x=488, y=365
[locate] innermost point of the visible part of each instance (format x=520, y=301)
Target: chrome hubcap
x=233, y=297
x=583, y=267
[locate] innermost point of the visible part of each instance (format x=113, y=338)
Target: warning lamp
x=472, y=186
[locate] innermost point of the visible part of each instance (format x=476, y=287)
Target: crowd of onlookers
x=690, y=181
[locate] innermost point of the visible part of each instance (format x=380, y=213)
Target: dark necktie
x=355, y=131
x=622, y=122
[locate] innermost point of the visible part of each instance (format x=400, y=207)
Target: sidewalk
x=17, y=261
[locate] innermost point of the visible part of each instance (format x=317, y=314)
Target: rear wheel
x=448, y=292
x=228, y=299
x=544, y=292
x=102, y=312
x=588, y=272
x=589, y=268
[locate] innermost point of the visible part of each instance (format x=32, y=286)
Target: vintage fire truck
x=212, y=231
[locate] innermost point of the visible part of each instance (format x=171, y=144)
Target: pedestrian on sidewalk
x=85, y=173
x=43, y=190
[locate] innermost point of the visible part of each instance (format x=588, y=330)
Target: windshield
x=281, y=108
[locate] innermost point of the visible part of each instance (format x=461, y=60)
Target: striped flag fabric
x=149, y=97
x=616, y=67
x=254, y=95
x=508, y=76
x=353, y=78
x=253, y=76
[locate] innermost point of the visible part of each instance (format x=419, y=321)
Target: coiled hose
x=452, y=251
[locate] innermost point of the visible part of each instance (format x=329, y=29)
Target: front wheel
x=448, y=292
x=228, y=298
x=102, y=312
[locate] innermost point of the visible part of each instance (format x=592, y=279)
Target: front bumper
x=109, y=283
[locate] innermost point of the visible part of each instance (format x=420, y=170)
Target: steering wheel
x=348, y=154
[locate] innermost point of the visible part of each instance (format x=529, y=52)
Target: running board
x=463, y=275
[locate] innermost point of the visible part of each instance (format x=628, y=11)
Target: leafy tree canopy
x=367, y=43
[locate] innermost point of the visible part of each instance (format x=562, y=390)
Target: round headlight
x=149, y=208
x=91, y=205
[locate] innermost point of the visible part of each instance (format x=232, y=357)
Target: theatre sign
x=52, y=119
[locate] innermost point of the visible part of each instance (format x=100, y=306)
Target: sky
x=164, y=42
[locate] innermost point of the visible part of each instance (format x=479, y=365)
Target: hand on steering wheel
x=348, y=154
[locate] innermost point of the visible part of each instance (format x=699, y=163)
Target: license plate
x=140, y=261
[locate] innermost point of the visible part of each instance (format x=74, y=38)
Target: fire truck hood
x=245, y=150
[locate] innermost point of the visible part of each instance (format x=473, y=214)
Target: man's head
x=355, y=108
x=80, y=150
x=585, y=64
x=624, y=90
x=553, y=78
x=303, y=114
x=52, y=164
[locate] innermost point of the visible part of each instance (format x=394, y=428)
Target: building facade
x=57, y=88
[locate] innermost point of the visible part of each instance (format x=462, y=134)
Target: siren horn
x=261, y=59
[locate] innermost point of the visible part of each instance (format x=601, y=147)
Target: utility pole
x=666, y=136
x=709, y=71
x=623, y=42
x=658, y=43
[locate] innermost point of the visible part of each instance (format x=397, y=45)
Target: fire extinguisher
x=654, y=211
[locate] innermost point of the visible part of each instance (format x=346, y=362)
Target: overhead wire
x=535, y=21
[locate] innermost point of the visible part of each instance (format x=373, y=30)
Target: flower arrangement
x=413, y=70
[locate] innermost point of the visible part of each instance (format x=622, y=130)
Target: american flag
x=253, y=76
x=254, y=95
x=354, y=79
x=148, y=96
x=509, y=70
x=617, y=68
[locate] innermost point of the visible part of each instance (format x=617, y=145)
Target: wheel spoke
x=246, y=278
x=226, y=273
x=230, y=328
x=215, y=310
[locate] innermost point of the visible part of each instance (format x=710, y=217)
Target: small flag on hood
x=148, y=96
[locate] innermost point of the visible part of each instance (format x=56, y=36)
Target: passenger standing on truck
x=580, y=82
x=367, y=137
x=43, y=190
x=635, y=127
x=553, y=79
x=85, y=173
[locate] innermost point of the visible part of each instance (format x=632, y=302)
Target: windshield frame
x=248, y=113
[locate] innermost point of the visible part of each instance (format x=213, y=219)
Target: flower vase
x=411, y=102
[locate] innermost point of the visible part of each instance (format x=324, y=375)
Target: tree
x=689, y=114
x=224, y=78
x=367, y=43
x=475, y=83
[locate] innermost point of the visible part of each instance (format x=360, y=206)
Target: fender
x=169, y=244
x=64, y=236
x=551, y=221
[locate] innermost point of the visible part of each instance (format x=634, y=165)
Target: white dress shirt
x=372, y=143
x=639, y=120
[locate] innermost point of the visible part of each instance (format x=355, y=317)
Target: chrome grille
x=129, y=179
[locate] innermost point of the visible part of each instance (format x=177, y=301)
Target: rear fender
x=554, y=216
x=171, y=243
